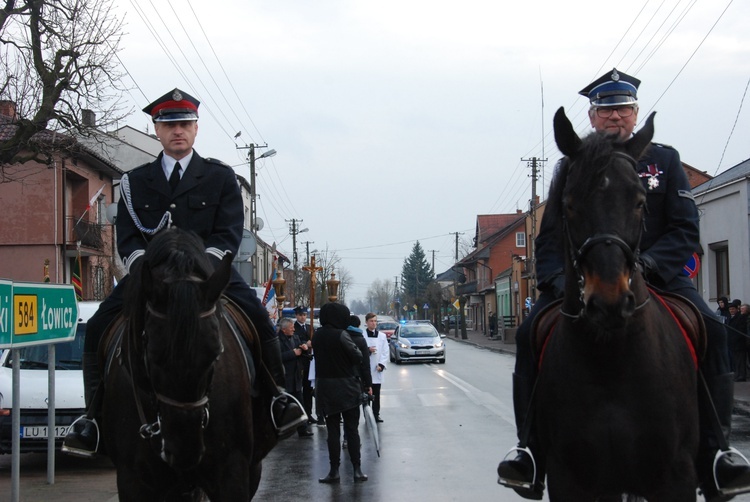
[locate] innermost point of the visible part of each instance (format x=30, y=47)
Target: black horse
x=616, y=402
x=178, y=417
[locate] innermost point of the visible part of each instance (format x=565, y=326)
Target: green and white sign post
x=34, y=314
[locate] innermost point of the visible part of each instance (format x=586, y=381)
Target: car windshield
x=387, y=325
x=418, y=332
x=68, y=355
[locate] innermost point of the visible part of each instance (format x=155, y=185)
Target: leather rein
x=578, y=254
x=149, y=430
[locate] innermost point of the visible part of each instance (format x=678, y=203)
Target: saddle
x=682, y=310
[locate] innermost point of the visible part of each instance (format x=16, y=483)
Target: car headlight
x=439, y=344
x=403, y=345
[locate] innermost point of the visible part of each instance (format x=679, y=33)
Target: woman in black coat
x=338, y=387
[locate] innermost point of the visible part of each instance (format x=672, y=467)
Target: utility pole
x=396, y=302
x=433, y=259
x=253, y=195
x=307, y=245
x=534, y=163
x=294, y=230
x=461, y=317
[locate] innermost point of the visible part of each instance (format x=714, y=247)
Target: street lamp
x=253, y=158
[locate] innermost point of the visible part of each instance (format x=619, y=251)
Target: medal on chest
x=652, y=174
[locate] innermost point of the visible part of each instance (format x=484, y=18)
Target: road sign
x=456, y=304
x=426, y=307
x=36, y=313
x=6, y=294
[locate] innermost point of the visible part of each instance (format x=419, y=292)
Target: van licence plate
x=40, y=432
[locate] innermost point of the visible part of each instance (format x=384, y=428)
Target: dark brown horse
x=178, y=417
x=616, y=398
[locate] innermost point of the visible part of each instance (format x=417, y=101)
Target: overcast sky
x=397, y=121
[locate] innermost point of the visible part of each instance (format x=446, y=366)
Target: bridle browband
x=578, y=255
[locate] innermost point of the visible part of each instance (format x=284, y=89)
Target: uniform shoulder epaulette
x=217, y=162
x=662, y=145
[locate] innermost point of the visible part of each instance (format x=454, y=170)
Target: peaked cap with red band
x=174, y=106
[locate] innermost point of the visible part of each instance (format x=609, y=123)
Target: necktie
x=372, y=334
x=174, y=178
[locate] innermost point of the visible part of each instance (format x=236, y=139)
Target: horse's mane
x=172, y=256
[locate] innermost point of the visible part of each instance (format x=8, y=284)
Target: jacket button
x=146, y=206
x=203, y=203
x=172, y=206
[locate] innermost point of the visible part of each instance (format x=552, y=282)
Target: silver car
x=414, y=341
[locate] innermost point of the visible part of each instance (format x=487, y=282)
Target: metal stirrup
x=302, y=420
x=514, y=483
x=719, y=455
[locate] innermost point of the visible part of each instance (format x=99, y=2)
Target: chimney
x=88, y=117
x=8, y=109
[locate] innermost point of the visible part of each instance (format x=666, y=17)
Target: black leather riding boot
x=286, y=412
x=333, y=475
x=82, y=439
x=732, y=473
x=522, y=473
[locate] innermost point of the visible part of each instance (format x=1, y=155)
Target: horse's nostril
x=628, y=304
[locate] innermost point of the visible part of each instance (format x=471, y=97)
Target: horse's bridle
x=578, y=255
x=147, y=430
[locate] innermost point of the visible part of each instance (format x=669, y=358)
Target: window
x=721, y=255
x=520, y=240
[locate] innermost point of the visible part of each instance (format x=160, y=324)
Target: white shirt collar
x=167, y=163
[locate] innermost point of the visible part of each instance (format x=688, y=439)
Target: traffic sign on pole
x=6, y=294
x=36, y=313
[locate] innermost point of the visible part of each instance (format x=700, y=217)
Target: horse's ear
x=636, y=145
x=565, y=136
x=219, y=279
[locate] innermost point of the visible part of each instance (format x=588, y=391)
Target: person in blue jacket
x=670, y=237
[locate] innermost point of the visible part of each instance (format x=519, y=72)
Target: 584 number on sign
x=26, y=314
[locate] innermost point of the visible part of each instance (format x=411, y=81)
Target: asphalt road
x=446, y=427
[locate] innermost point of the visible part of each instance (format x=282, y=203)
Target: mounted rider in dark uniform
x=183, y=189
x=670, y=237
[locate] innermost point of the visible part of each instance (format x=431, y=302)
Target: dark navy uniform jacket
x=672, y=225
x=206, y=201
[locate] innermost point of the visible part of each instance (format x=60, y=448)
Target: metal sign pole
x=15, y=469
x=51, y=429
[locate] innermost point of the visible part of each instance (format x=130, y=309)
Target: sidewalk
x=477, y=338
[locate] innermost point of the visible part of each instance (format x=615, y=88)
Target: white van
x=69, y=400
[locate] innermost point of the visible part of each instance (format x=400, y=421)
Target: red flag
x=76, y=279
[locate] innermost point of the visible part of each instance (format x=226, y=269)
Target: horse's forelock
x=586, y=169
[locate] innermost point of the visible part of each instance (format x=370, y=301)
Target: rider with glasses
x=670, y=237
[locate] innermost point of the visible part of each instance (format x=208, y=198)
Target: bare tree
x=58, y=64
x=380, y=295
x=329, y=262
